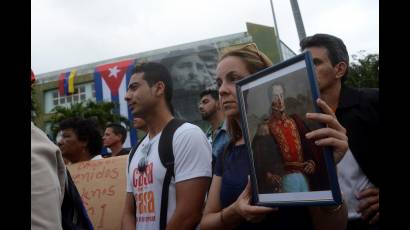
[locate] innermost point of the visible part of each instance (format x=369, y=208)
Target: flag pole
x=277, y=33
x=298, y=19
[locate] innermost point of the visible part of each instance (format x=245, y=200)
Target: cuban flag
x=111, y=82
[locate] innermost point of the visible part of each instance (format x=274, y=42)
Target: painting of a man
x=291, y=162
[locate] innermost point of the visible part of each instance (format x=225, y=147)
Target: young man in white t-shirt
x=149, y=96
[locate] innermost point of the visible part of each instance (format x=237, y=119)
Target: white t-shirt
x=96, y=157
x=192, y=154
x=352, y=180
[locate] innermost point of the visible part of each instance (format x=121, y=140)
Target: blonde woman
x=228, y=205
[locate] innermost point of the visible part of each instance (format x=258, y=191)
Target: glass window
x=82, y=93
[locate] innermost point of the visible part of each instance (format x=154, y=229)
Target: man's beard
x=206, y=116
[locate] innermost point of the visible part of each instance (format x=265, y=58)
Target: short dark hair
x=213, y=92
x=156, y=72
x=87, y=130
x=118, y=129
x=336, y=49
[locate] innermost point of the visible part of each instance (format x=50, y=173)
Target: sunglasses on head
x=248, y=48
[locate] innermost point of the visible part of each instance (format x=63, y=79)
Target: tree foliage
x=102, y=112
x=364, y=71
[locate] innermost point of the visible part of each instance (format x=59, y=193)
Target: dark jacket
x=358, y=112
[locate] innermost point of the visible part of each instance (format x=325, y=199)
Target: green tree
x=364, y=71
x=102, y=112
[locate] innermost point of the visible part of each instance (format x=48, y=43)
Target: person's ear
x=340, y=69
x=159, y=88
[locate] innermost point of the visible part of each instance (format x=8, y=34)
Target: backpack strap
x=166, y=155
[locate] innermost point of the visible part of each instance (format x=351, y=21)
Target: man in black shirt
x=114, y=137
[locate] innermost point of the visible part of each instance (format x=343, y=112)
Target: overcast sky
x=76, y=32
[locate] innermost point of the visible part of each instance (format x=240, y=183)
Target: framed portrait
x=287, y=169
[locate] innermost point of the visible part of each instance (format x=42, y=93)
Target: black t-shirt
x=358, y=113
x=124, y=151
x=233, y=167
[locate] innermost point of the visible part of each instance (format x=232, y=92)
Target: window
x=81, y=93
x=93, y=90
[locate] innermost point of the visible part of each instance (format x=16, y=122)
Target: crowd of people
x=201, y=179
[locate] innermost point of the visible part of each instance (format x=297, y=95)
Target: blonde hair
x=255, y=61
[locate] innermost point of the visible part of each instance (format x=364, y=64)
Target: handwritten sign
x=102, y=186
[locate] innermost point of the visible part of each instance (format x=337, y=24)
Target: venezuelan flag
x=71, y=82
x=66, y=83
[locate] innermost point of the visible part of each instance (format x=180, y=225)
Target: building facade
x=192, y=67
